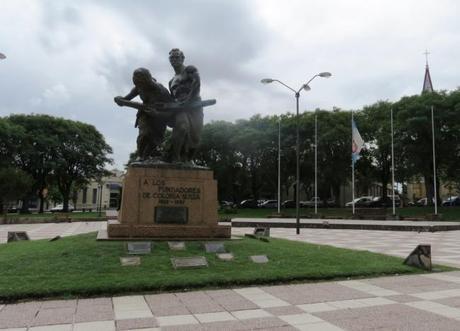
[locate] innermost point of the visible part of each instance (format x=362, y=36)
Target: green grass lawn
x=82, y=266
x=448, y=213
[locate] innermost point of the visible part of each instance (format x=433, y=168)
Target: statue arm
x=194, y=76
x=131, y=95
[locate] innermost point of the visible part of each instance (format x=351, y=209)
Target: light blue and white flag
x=357, y=142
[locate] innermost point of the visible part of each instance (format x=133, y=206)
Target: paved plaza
x=422, y=302
x=416, y=302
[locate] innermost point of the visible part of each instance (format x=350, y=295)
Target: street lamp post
x=305, y=87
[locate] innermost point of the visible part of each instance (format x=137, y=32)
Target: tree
x=54, y=151
x=376, y=131
x=80, y=156
x=415, y=135
x=13, y=184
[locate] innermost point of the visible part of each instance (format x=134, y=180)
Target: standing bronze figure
x=188, y=124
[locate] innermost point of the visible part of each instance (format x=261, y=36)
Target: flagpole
x=316, y=164
x=352, y=170
x=434, y=165
x=392, y=165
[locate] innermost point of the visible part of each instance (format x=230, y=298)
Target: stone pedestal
x=168, y=202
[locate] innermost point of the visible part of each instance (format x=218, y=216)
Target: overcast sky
x=70, y=58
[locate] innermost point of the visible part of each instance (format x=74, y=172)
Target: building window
x=85, y=192
x=94, y=195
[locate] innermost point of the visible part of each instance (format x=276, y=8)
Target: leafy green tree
x=13, y=184
x=80, y=156
x=376, y=132
x=35, y=154
x=55, y=151
x=415, y=135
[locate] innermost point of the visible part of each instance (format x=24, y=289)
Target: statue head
x=176, y=57
x=142, y=76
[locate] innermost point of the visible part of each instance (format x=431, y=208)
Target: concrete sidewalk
x=421, y=302
x=401, y=225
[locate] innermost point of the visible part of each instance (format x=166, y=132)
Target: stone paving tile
x=230, y=300
x=250, y=313
x=435, y=295
x=61, y=327
x=137, y=323
x=129, y=307
x=214, y=317
x=263, y=323
x=287, y=310
x=388, y=317
x=451, y=302
x=15, y=329
x=54, y=316
x=298, y=319
x=313, y=293
x=228, y=325
x=410, y=284
x=95, y=326
x=317, y=307
x=368, y=288
x=437, y=308
x=176, y=320
x=19, y=315
x=402, y=298
x=318, y=326
x=261, y=298
x=199, y=302
x=166, y=305
x=89, y=310
x=59, y=304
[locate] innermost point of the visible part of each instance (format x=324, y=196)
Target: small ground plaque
x=17, y=236
x=259, y=258
x=214, y=247
x=139, y=247
x=130, y=261
x=176, y=245
x=225, y=256
x=420, y=257
x=189, y=262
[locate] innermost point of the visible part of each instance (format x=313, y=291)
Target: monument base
x=168, y=232
x=167, y=202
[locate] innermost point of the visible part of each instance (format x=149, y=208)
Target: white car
x=60, y=207
x=359, y=202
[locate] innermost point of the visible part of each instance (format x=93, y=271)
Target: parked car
x=226, y=204
x=422, y=202
x=311, y=203
x=60, y=208
x=288, y=204
x=269, y=204
x=378, y=202
x=360, y=202
x=249, y=203
x=451, y=201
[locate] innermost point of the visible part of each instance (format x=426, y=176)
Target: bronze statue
x=151, y=123
x=182, y=110
x=185, y=89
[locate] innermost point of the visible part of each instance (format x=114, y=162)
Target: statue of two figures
x=180, y=108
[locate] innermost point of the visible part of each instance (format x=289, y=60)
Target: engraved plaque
x=130, y=261
x=189, y=262
x=171, y=215
x=139, y=247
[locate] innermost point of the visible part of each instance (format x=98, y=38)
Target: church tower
x=427, y=84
